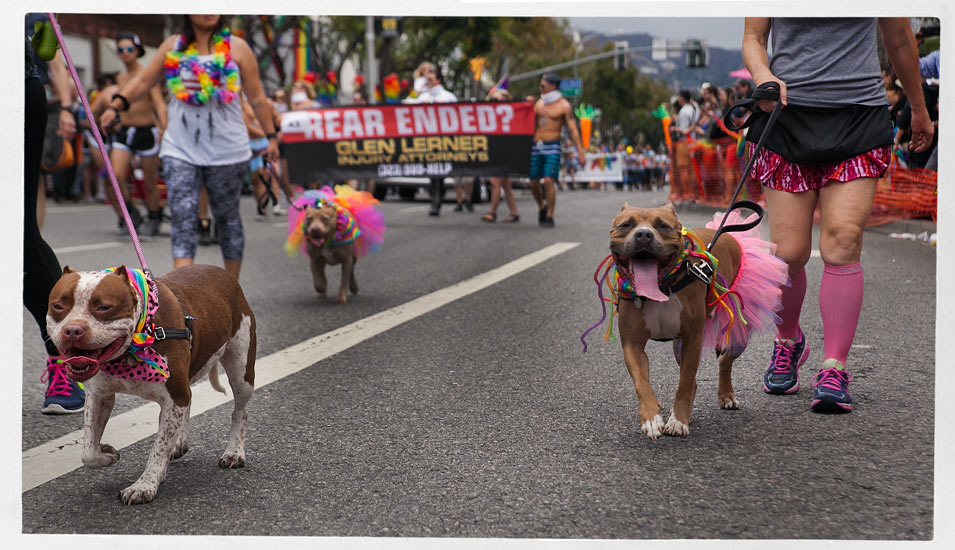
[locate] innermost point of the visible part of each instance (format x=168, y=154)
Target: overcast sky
x=723, y=32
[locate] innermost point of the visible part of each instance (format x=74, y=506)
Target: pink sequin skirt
x=775, y=172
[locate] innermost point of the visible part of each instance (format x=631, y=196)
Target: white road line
x=77, y=208
x=85, y=247
x=60, y=456
x=418, y=208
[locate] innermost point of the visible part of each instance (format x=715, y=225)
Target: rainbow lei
x=622, y=287
x=221, y=82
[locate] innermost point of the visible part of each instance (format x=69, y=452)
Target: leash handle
x=770, y=91
x=94, y=127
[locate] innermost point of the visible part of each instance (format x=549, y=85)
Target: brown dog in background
x=320, y=226
x=646, y=243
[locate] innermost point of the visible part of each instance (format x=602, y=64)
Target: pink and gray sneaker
x=832, y=388
x=782, y=376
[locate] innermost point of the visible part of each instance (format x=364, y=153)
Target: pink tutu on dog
x=758, y=284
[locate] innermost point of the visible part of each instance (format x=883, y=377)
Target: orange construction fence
x=707, y=172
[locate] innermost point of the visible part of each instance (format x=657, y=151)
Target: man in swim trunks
x=551, y=113
x=137, y=133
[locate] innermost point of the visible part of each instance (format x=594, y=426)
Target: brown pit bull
x=323, y=247
x=93, y=317
x=646, y=244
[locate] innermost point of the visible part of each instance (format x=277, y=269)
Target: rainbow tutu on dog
x=359, y=221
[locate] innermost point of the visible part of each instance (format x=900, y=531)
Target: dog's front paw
x=138, y=493
x=342, y=298
x=232, y=460
x=106, y=457
x=181, y=449
x=675, y=427
x=652, y=428
x=728, y=401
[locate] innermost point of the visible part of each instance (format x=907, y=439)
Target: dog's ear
x=67, y=270
x=121, y=272
x=625, y=206
x=671, y=207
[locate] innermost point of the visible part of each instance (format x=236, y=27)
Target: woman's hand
x=922, y=131
x=765, y=104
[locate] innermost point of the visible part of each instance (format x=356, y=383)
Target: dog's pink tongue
x=645, y=281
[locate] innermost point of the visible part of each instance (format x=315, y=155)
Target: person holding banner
x=551, y=113
x=435, y=92
x=206, y=143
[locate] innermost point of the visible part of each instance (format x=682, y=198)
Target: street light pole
x=370, y=72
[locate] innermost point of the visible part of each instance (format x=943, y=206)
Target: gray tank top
x=827, y=62
x=213, y=134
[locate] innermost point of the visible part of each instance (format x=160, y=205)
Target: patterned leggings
x=224, y=185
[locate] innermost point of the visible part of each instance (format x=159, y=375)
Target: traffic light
x=620, y=58
x=696, y=53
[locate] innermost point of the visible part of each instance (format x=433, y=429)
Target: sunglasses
x=128, y=49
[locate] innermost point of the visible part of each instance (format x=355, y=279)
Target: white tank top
x=213, y=134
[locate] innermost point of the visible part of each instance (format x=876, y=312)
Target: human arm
x=139, y=84
x=252, y=87
x=574, y=134
x=159, y=107
x=899, y=41
x=755, y=38
x=60, y=79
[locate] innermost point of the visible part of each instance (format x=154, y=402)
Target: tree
x=626, y=99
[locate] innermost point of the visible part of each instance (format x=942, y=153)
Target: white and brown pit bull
x=93, y=317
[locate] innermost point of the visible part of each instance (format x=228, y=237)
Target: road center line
x=60, y=456
x=85, y=247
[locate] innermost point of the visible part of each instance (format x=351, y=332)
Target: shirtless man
x=138, y=132
x=551, y=113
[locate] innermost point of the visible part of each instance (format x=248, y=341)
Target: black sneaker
x=782, y=375
x=831, y=386
x=205, y=231
x=547, y=222
x=153, y=221
x=63, y=395
x=459, y=207
x=542, y=215
x=468, y=206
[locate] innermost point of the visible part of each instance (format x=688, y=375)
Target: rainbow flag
x=302, y=55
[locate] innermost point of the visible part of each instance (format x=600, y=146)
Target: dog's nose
x=74, y=332
x=643, y=235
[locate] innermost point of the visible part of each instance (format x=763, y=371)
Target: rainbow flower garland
x=224, y=70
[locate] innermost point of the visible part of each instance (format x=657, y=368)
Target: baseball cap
x=135, y=39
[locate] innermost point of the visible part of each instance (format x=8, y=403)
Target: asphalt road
x=483, y=418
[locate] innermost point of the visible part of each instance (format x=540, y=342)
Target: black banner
x=421, y=140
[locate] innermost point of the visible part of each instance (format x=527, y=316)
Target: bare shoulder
x=240, y=48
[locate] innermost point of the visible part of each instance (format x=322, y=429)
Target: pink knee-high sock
x=840, y=302
x=792, y=298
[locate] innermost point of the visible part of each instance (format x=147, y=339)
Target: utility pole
x=370, y=73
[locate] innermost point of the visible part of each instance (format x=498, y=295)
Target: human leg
x=224, y=184
x=844, y=209
x=183, y=183
x=495, y=200
x=152, y=199
x=509, y=198
x=790, y=227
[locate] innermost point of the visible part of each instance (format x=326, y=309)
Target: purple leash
x=99, y=141
x=603, y=302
